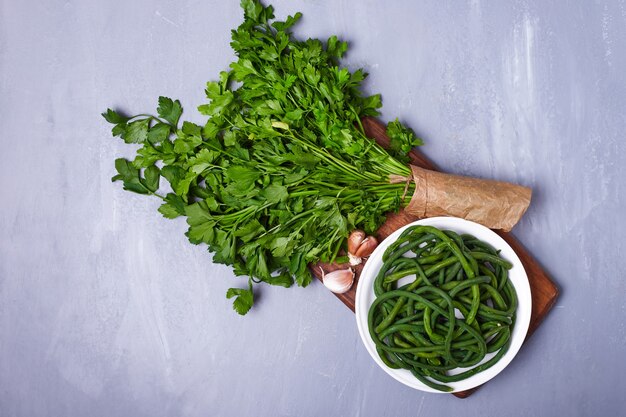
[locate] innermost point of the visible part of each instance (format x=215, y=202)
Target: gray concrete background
x=107, y=310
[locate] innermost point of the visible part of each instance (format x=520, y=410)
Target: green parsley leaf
x=250, y=230
x=201, y=224
x=158, y=133
x=283, y=279
x=173, y=207
x=137, y=131
x=402, y=138
x=130, y=176
x=114, y=117
x=152, y=175
x=243, y=298
x=275, y=193
x=173, y=174
x=169, y=110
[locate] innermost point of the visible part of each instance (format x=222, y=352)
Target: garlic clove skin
x=367, y=247
x=339, y=281
x=354, y=260
x=354, y=241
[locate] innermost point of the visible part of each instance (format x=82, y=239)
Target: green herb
x=402, y=140
x=281, y=171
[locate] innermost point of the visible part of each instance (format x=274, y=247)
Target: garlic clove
x=354, y=241
x=367, y=247
x=339, y=281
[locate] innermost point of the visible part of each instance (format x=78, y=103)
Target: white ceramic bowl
x=365, y=297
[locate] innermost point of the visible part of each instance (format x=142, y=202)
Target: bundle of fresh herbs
x=282, y=170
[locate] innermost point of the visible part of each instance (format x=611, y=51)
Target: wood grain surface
x=544, y=292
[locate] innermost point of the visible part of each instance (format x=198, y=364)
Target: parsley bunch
x=282, y=171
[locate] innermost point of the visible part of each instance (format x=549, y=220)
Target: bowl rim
x=517, y=275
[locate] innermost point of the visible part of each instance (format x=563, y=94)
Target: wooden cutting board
x=544, y=292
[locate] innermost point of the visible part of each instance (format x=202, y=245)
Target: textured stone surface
x=107, y=310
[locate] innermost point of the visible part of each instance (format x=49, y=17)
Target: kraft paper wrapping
x=495, y=204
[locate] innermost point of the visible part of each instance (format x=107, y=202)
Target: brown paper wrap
x=495, y=204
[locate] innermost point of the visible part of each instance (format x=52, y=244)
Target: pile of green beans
x=459, y=307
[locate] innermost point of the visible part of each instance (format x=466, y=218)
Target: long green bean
x=459, y=307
